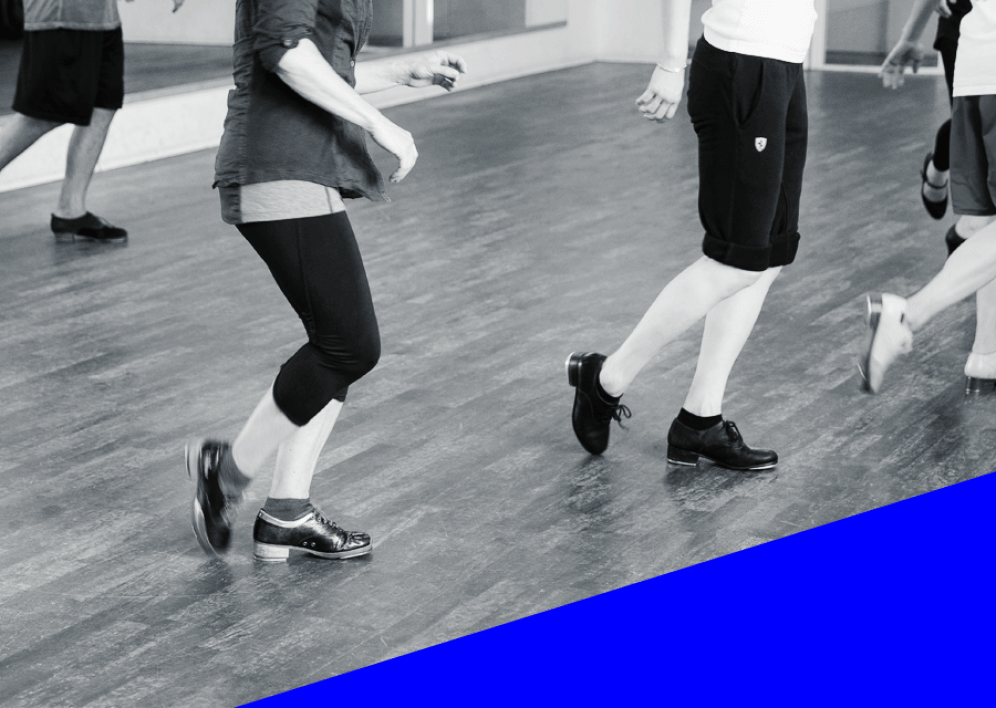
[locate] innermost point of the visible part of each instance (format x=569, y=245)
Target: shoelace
x=617, y=413
x=326, y=521
x=343, y=537
x=732, y=431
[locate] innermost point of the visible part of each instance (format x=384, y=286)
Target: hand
x=437, y=69
x=660, y=101
x=398, y=142
x=905, y=52
x=944, y=7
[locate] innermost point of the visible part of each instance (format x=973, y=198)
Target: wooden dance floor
x=543, y=217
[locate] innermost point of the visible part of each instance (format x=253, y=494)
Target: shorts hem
x=780, y=252
x=52, y=117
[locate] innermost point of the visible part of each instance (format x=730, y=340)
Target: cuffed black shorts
x=973, y=155
x=750, y=117
x=66, y=73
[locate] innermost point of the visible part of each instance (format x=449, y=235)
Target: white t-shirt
x=975, y=66
x=776, y=29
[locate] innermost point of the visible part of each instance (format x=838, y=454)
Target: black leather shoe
x=593, y=413
x=935, y=209
x=88, y=227
x=721, y=444
x=314, y=534
x=952, y=240
x=214, y=512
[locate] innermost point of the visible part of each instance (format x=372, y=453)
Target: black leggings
x=942, y=143
x=317, y=265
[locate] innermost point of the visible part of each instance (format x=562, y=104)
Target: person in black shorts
x=72, y=71
x=747, y=103
x=907, y=52
x=892, y=320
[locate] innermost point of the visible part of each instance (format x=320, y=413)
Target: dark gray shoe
x=593, y=413
x=314, y=534
x=214, y=512
x=721, y=444
x=88, y=227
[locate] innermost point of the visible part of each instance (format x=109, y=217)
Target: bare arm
x=436, y=69
x=660, y=101
x=305, y=70
x=907, y=49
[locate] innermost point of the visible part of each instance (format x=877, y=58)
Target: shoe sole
x=686, y=458
x=272, y=553
x=70, y=237
x=978, y=387
x=191, y=453
x=873, y=313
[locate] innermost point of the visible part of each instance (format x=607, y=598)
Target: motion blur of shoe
x=889, y=336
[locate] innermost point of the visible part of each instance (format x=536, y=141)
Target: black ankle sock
x=232, y=480
x=698, y=422
x=287, y=509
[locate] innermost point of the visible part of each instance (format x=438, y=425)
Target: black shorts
x=973, y=155
x=750, y=117
x=66, y=73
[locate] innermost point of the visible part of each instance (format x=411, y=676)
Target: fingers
x=943, y=9
x=656, y=108
x=406, y=161
x=445, y=76
x=456, y=62
x=645, y=98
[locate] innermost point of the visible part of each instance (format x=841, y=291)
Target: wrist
x=398, y=73
x=673, y=67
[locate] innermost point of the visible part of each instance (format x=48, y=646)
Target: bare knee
x=730, y=279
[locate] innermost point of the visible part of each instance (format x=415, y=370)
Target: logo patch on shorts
x=760, y=144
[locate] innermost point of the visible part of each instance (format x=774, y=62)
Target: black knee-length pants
x=316, y=262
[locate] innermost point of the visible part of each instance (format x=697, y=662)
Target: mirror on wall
x=861, y=32
x=416, y=23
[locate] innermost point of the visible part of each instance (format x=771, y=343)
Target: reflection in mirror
x=415, y=23
x=11, y=26
x=861, y=32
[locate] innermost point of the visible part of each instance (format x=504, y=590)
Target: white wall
x=197, y=22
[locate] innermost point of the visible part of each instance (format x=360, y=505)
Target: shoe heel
x=975, y=387
x=191, y=451
x=677, y=456
x=573, y=365
x=269, y=554
x=874, y=310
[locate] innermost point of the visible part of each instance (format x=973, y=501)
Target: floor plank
x=543, y=217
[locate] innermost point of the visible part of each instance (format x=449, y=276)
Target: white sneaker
x=980, y=373
x=889, y=336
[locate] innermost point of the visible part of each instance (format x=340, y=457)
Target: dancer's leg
x=20, y=133
x=966, y=271
x=85, y=147
x=297, y=455
x=683, y=302
x=261, y=435
x=727, y=328
x=985, y=320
